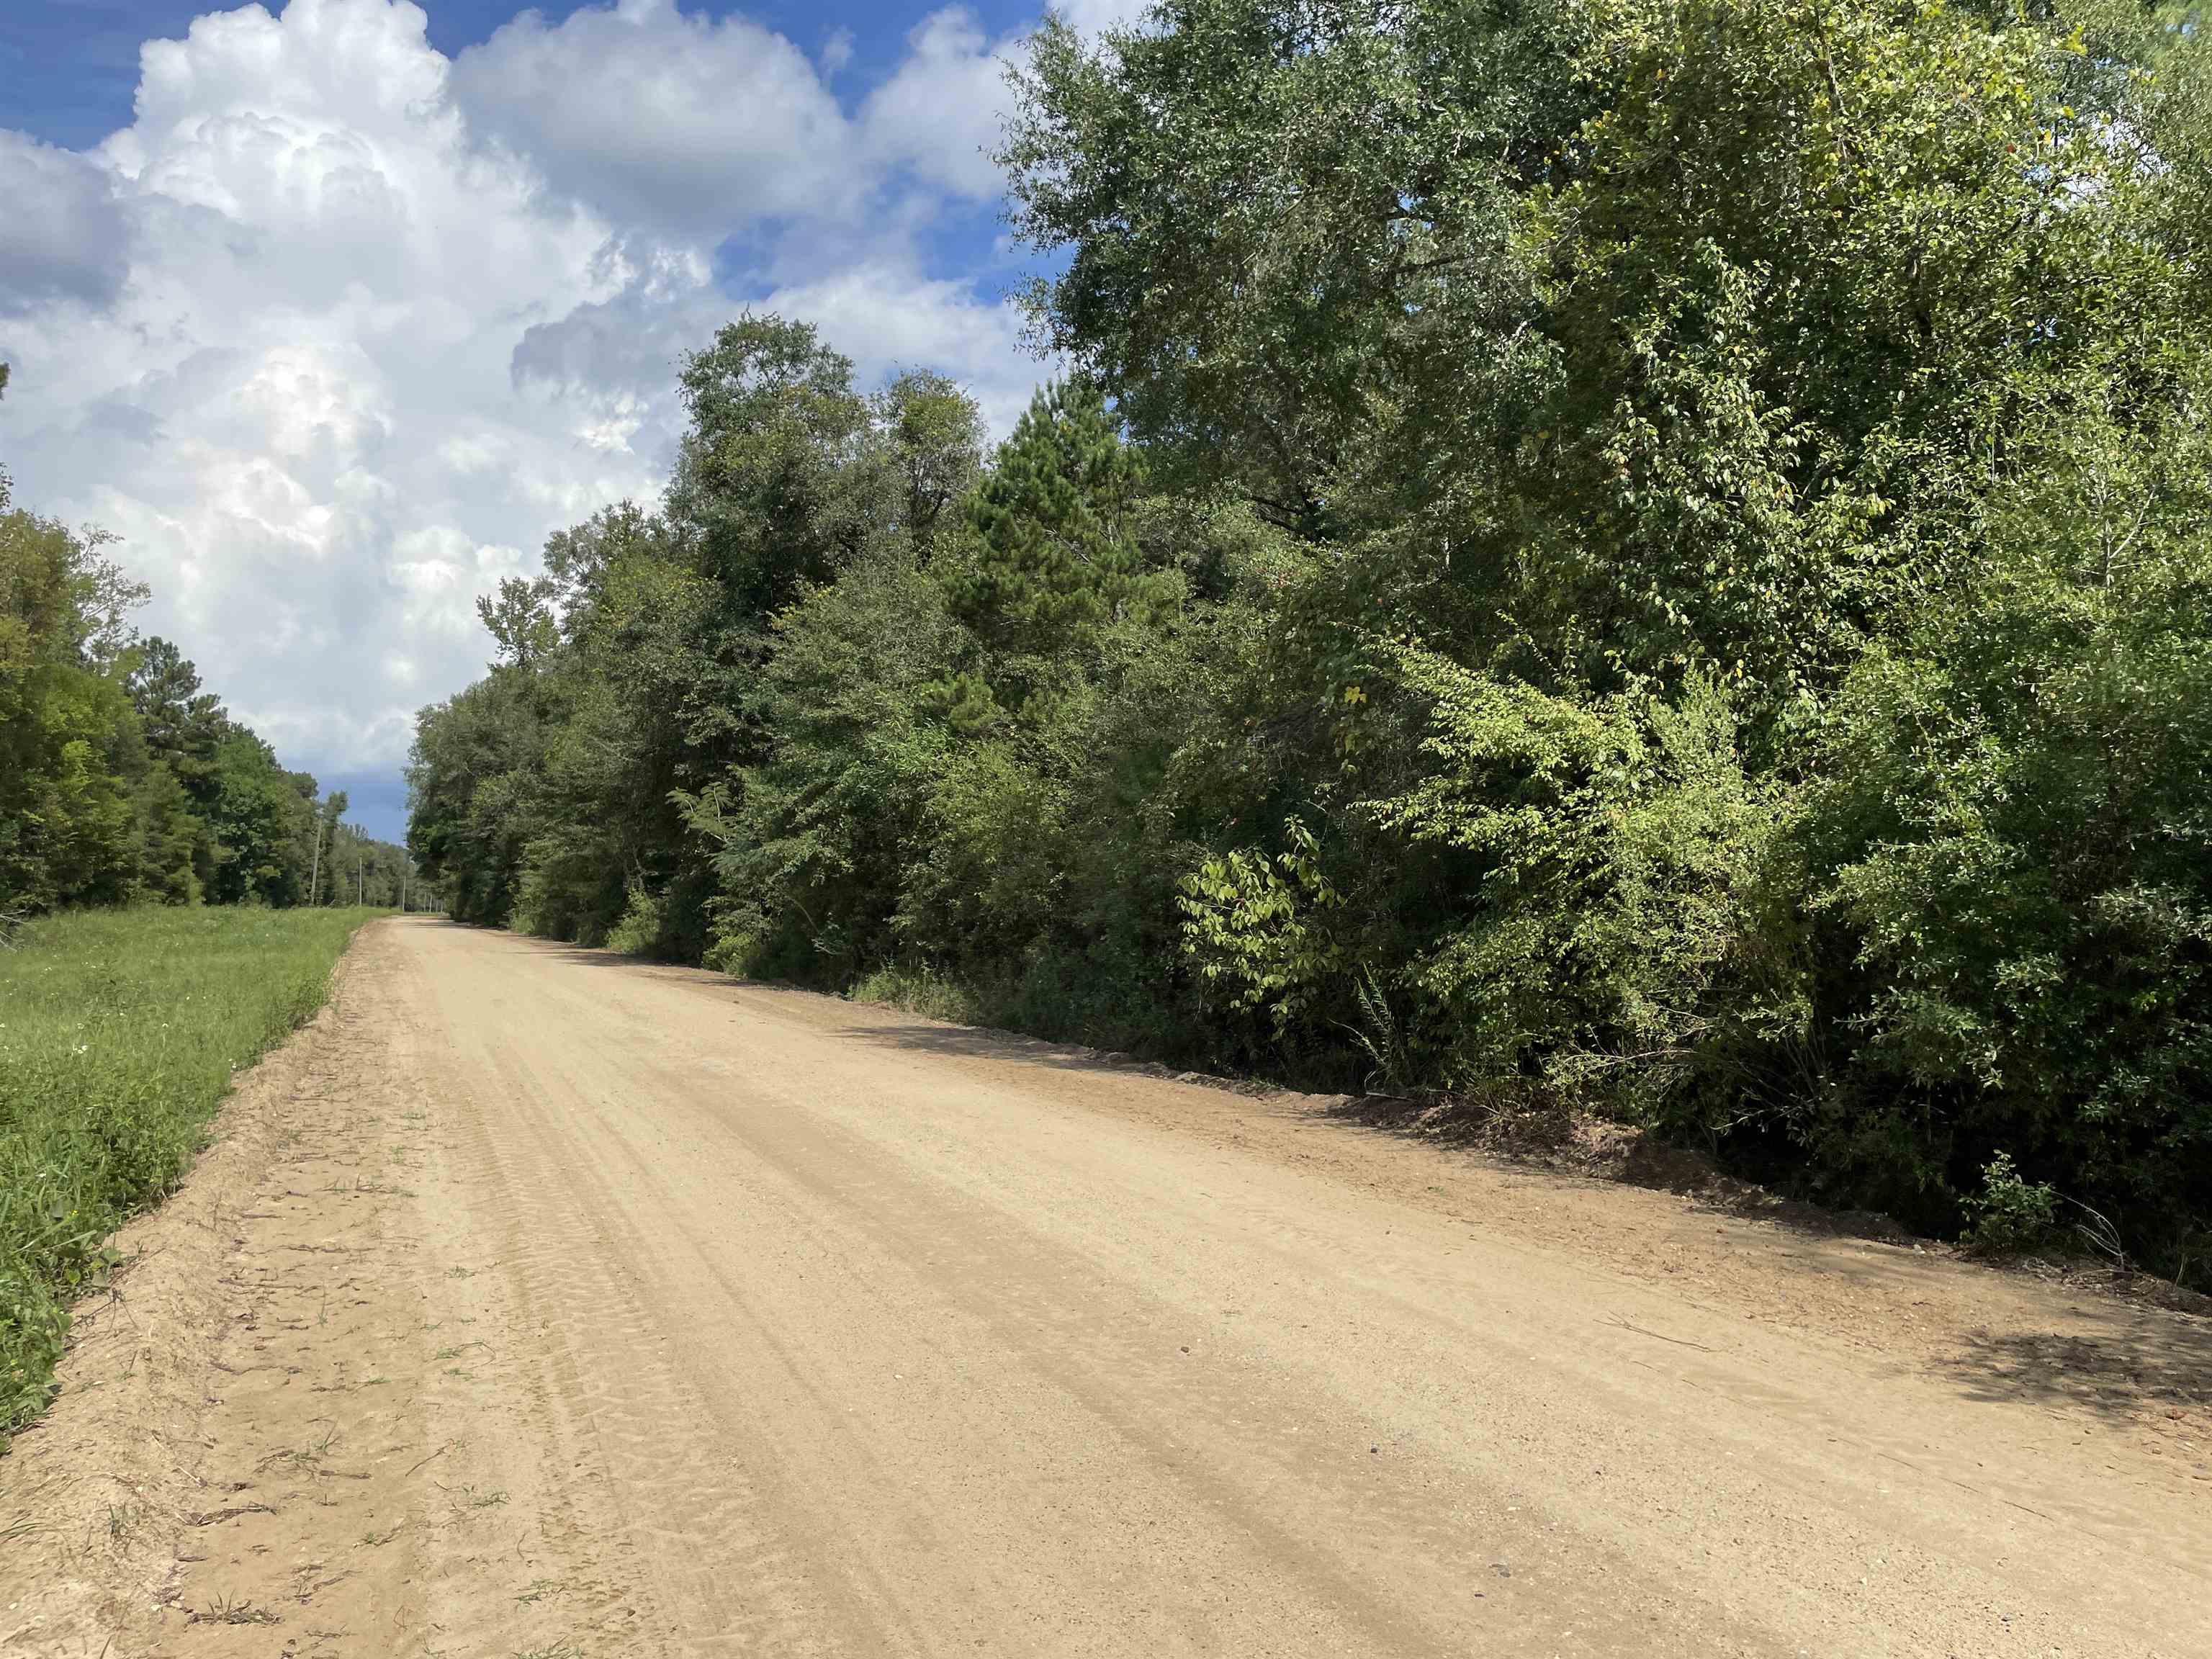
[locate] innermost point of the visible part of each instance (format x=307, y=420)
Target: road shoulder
x=288, y=1416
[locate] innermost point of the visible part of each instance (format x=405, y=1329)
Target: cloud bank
x=337, y=330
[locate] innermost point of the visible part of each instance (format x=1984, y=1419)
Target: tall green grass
x=118, y=1033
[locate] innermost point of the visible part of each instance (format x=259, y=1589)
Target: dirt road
x=538, y=1303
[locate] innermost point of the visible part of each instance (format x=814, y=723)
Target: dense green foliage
x=120, y=779
x=118, y=1033
x=1649, y=555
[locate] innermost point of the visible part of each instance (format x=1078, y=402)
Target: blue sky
x=68, y=68
x=329, y=315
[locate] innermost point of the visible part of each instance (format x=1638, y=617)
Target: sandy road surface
x=538, y=1303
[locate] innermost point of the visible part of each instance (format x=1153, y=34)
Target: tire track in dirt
x=683, y=1506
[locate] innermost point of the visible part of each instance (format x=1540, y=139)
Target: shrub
x=644, y=920
x=2011, y=1214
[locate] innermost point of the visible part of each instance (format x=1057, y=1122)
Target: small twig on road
x=441, y=1450
x=1680, y=1342
x=213, y=1517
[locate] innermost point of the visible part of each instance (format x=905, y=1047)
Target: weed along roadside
x=119, y=1033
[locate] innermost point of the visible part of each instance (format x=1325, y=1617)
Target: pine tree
x=1054, y=557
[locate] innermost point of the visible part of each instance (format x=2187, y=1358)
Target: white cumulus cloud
x=682, y=124
x=337, y=331
x=62, y=234
x=940, y=113
x=313, y=304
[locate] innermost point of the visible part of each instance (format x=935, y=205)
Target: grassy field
x=118, y=1033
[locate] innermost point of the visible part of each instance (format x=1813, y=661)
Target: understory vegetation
x=1651, y=556
x=118, y=1033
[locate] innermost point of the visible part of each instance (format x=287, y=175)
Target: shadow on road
x=986, y=1042
x=2149, y=1362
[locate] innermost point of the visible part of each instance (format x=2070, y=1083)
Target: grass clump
x=921, y=991
x=118, y=1033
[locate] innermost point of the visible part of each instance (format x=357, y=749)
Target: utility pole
x=405, y=870
x=315, y=865
x=360, y=880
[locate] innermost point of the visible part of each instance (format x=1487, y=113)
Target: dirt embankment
x=537, y=1302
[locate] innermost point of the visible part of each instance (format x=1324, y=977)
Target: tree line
x=121, y=780
x=1651, y=557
